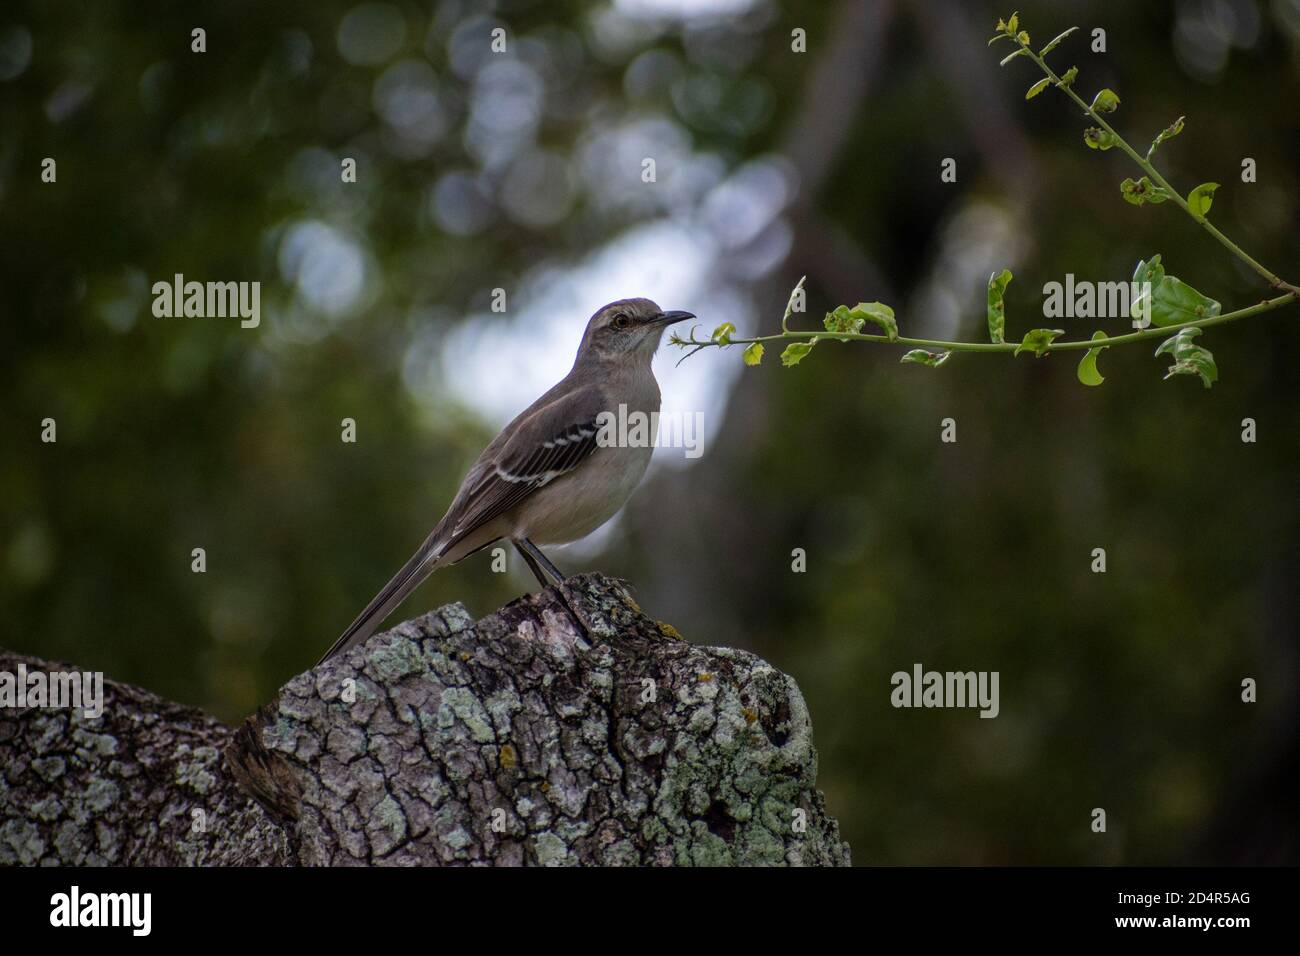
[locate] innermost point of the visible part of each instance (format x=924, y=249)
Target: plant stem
x=1291, y=292
x=1153, y=332
x=1272, y=279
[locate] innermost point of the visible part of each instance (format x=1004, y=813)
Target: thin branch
x=1156, y=177
x=1009, y=31
x=1153, y=332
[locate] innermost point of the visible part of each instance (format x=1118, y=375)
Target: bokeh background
x=522, y=171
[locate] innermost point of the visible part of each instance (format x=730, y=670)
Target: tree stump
x=565, y=728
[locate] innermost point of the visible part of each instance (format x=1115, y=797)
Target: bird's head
x=627, y=328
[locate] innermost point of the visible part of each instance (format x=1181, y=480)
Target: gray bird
x=546, y=479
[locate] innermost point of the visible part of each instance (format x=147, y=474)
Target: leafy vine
x=1166, y=306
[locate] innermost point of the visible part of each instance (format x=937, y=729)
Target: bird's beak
x=668, y=318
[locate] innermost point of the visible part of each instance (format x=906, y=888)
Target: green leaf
x=843, y=319
x=722, y=334
x=1087, y=372
x=997, y=310
x=1037, y=88
x=754, y=353
x=1014, y=23
x=1151, y=270
x=1022, y=38
x=1098, y=138
x=846, y=319
x=1175, y=301
x=1189, y=358
x=1201, y=198
x=1169, y=132
x=1067, y=78
x=796, y=352
x=1106, y=101
x=922, y=357
x=1037, y=341
x=880, y=314
x=1011, y=56
x=1172, y=301
x=1056, y=41
x=1147, y=277
x=1142, y=191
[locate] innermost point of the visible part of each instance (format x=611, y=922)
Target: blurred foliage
x=1118, y=690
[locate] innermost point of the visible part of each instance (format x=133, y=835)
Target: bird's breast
x=576, y=504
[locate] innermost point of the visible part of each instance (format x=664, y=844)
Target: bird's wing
x=546, y=442
x=549, y=439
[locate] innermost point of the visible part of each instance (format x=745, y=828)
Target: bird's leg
x=532, y=562
x=533, y=555
x=541, y=565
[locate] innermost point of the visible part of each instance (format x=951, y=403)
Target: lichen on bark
x=142, y=784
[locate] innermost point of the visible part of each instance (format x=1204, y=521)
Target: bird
x=551, y=476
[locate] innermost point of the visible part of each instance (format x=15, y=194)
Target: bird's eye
x=621, y=320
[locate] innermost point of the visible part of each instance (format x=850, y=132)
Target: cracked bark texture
x=143, y=784
x=519, y=739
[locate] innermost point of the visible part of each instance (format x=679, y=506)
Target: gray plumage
x=545, y=479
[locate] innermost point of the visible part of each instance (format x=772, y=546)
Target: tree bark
x=565, y=728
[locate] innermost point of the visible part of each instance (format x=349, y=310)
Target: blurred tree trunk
x=516, y=739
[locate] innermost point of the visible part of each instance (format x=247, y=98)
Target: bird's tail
x=413, y=572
